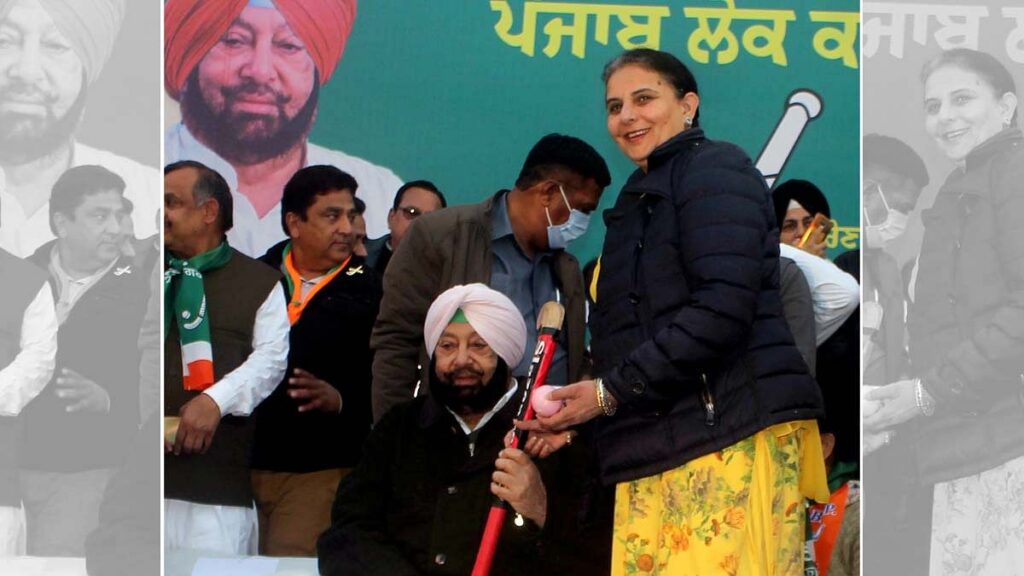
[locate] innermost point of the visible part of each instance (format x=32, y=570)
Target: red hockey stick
x=551, y=315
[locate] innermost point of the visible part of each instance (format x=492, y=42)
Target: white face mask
x=891, y=227
x=559, y=235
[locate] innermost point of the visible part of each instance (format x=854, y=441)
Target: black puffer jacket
x=967, y=320
x=688, y=330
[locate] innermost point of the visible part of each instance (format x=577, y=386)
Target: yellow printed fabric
x=737, y=512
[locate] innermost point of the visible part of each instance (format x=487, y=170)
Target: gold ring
x=568, y=438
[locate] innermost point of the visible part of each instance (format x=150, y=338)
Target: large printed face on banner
x=253, y=95
x=41, y=83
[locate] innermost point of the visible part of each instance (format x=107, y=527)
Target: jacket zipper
x=709, y=402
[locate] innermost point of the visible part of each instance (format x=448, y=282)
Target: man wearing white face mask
x=894, y=176
x=515, y=243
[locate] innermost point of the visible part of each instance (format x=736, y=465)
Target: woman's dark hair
x=983, y=64
x=663, y=63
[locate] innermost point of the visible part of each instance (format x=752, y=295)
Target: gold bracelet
x=602, y=401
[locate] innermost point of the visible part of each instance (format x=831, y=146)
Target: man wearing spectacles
x=411, y=201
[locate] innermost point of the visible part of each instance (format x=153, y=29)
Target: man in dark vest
x=77, y=430
x=225, y=351
x=28, y=345
x=310, y=432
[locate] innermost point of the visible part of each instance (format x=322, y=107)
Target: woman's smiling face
x=962, y=110
x=644, y=111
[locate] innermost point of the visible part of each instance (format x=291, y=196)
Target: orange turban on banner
x=90, y=26
x=193, y=27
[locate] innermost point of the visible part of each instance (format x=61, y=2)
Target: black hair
x=306, y=184
x=983, y=64
x=662, y=63
x=424, y=184
x=78, y=183
x=209, y=185
x=896, y=156
x=556, y=151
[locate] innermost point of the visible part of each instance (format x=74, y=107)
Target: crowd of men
x=325, y=393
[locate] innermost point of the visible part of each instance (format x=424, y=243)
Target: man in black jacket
x=310, y=430
x=418, y=501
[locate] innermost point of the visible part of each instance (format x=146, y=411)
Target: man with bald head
x=247, y=74
x=54, y=52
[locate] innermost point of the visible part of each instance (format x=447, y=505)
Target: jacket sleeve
x=356, y=542
x=410, y=283
x=723, y=226
x=995, y=347
x=835, y=294
x=798, y=308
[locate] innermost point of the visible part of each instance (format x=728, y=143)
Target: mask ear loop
x=881, y=195
x=564, y=198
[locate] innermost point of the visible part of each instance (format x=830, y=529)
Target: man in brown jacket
x=514, y=242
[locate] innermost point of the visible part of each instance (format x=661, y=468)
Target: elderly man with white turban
x=55, y=51
x=247, y=74
x=418, y=500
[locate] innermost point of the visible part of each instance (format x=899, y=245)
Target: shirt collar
x=490, y=413
x=501, y=225
x=433, y=412
x=64, y=278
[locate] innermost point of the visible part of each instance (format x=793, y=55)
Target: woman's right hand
x=580, y=405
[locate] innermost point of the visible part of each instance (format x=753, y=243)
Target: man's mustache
x=25, y=92
x=254, y=89
x=463, y=372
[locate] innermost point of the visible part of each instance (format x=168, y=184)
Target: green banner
x=457, y=92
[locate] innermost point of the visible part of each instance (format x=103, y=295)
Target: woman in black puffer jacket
x=963, y=413
x=704, y=410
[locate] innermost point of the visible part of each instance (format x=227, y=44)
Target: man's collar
x=509, y=394
x=434, y=413
x=501, y=225
x=62, y=273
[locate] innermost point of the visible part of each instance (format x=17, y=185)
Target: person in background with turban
x=54, y=50
x=797, y=202
x=247, y=75
x=419, y=498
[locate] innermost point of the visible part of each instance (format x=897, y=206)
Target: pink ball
x=543, y=405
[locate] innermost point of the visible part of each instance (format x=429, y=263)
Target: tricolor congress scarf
x=185, y=298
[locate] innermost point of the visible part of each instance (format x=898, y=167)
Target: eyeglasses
x=410, y=212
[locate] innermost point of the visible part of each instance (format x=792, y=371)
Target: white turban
x=494, y=317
